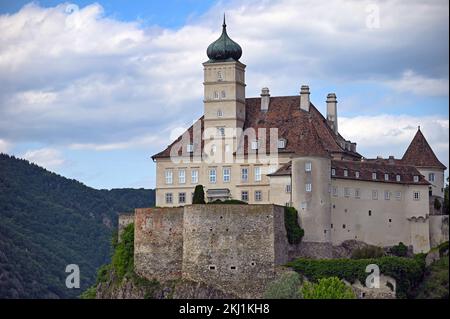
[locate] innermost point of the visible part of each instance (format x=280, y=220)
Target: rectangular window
x=181, y=198
x=357, y=193
x=386, y=177
x=255, y=145
x=416, y=179
x=335, y=191
x=398, y=195
x=169, y=176
x=398, y=178
x=357, y=174
x=257, y=174
x=333, y=172
x=308, y=187
x=416, y=195
x=258, y=196
x=244, y=174
x=182, y=176
x=190, y=148
x=345, y=173
x=226, y=174
x=288, y=188
x=194, y=176
x=169, y=199
x=431, y=177
x=281, y=143
x=374, y=195
x=308, y=166
x=346, y=192
x=221, y=131
x=212, y=175
x=387, y=195
x=244, y=196
x=374, y=175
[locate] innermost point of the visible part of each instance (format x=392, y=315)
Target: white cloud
x=45, y=157
x=391, y=134
x=4, y=146
x=420, y=85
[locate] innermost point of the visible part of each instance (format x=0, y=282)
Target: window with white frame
x=398, y=195
x=227, y=148
x=182, y=176
x=223, y=94
x=244, y=174
x=216, y=95
x=169, y=199
x=226, y=174
x=333, y=172
x=416, y=178
x=374, y=194
x=219, y=113
x=281, y=143
x=288, y=188
x=308, y=167
x=416, y=195
x=346, y=192
x=374, y=175
x=357, y=193
x=212, y=175
x=190, y=148
x=345, y=173
x=398, y=178
x=255, y=144
x=221, y=131
x=181, y=198
x=335, y=191
x=169, y=176
x=244, y=196
x=257, y=173
x=387, y=195
x=357, y=174
x=219, y=76
x=431, y=177
x=258, y=196
x=308, y=187
x=194, y=176
x=386, y=177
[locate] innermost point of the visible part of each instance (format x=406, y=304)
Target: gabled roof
x=306, y=133
x=420, y=154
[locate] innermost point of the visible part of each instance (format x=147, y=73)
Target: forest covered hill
x=47, y=222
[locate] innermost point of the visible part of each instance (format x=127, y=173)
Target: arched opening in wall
x=390, y=286
x=370, y=213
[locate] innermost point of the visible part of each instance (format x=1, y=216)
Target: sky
x=91, y=90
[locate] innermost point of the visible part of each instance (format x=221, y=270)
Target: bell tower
x=224, y=86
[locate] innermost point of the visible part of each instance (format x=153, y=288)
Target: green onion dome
x=224, y=49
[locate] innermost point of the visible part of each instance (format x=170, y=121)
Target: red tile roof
x=420, y=154
x=306, y=133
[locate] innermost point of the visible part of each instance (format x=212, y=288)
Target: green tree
x=446, y=200
x=123, y=258
x=286, y=287
x=327, y=288
x=199, y=195
x=294, y=231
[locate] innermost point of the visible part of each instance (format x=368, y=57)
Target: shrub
x=294, y=231
x=400, y=250
x=327, y=288
x=123, y=258
x=103, y=274
x=199, y=195
x=229, y=202
x=368, y=252
x=435, y=284
x=443, y=249
x=437, y=204
x=286, y=287
x=407, y=272
x=89, y=293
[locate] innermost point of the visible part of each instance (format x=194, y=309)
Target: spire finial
x=224, y=24
x=418, y=128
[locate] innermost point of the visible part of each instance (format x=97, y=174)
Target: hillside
x=47, y=222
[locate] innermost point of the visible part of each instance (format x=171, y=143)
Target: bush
x=408, y=272
x=400, y=250
x=229, y=202
x=368, y=252
x=443, y=249
x=89, y=293
x=199, y=195
x=435, y=284
x=437, y=204
x=123, y=258
x=327, y=288
x=294, y=231
x=286, y=287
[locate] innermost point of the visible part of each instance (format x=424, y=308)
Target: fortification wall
x=233, y=246
x=438, y=229
x=125, y=219
x=158, y=243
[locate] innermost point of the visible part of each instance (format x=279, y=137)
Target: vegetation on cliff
x=327, y=288
x=47, y=222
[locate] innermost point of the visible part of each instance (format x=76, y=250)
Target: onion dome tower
x=224, y=49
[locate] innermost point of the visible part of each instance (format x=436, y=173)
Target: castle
x=272, y=152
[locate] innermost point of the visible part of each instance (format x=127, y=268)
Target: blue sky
x=92, y=93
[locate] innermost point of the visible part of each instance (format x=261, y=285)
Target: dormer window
x=333, y=172
x=219, y=76
x=416, y=179
x=190, y=148
x=357, y=174
x=219, y=113
x=398, y=178
x=255, y=145
x=281, y=143
x=374, y=176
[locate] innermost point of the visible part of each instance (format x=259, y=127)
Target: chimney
x=265, y=99
x=332, y=112
x=304, y=98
